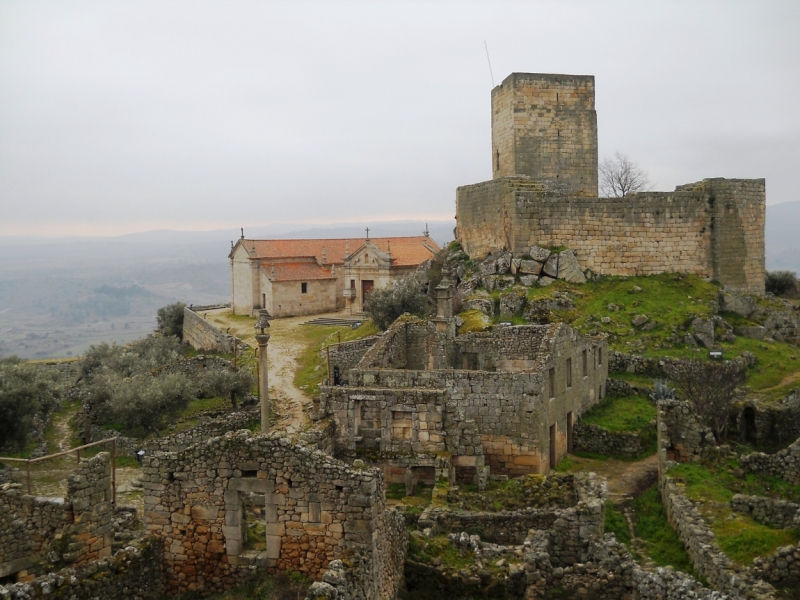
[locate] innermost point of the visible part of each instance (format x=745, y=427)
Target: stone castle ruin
x=544, y=193
x=430, y=404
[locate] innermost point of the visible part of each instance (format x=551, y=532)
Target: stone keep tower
x=545, y=127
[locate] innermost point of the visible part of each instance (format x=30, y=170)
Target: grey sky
x=128, y=116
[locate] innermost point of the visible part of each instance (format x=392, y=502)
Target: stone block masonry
x=133, y=573
x=200, y=334
x=316, y=510
x=544, y=193
x=714, y=228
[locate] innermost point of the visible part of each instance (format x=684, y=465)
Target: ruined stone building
x=505, y=399
x=302, y=277
x=544, y=193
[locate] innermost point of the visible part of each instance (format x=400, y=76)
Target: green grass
x=635, y=379
x=617, y=524
x=474, y=320
x=424, y=551
x=312, y=366
x=671, y=301
x=623, y=413
x=718, y=483
x=662, y=543
x=714, y=485
x=743, y=540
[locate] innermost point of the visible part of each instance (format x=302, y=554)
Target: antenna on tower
x=489, y=61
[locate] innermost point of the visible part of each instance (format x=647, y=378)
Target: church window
x=304, y=288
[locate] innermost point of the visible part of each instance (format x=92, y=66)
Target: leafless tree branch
x=619, y=176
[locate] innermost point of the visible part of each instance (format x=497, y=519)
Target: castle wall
x=546, y=126
x=713, y=228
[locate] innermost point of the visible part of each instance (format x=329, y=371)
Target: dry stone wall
x=316, y=510
x=347, y=355
x=780, y=514
x=593, y=438
x=81, y=522
x=784, y=463
x=133, y=573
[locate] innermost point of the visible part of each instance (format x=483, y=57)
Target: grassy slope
x=672, y=301
x=650, y=525
x=713, y=485
x=312, y=366
x=623, y=413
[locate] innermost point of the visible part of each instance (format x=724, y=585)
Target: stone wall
x=534, y=382
x=571, y=526
x=133, y=573
x=347, y=355
x=681, y=436
x=769, y=424
x=202, y=335
x=593, y=438
x=545, y=126
x=775, y=513
x=233, y=421
x=701, y=545
x=316, y=510
x=784, y=463
x=81, y=522
x=713, y=228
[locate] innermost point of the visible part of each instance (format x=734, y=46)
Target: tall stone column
x=262, y=338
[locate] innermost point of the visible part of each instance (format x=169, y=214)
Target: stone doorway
x=251, y=512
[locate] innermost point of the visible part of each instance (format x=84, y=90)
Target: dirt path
x=624, y=478
x=285, y=346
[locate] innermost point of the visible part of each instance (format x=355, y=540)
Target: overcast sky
x=128, y=116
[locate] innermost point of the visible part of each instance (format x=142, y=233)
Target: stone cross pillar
x=262, y=337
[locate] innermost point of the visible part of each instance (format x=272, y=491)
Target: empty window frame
x=304, y=288
x=569, y=373
x=551, y=377
x=585, y=363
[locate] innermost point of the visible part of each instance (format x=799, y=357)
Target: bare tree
x=710, y=387
x=620, y=176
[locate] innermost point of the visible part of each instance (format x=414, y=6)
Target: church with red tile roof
x=311, y=276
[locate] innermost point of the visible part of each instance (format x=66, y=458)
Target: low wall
x=133, y=573
x=592, y=438
x=234, y=421
x=608, y=573
x=202, y=335
x=701, y=544
x=775, y=513
x=784, y=463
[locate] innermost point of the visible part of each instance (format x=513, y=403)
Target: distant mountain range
x=782, y=234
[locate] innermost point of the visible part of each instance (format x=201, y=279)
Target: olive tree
x=170, y=319
x=407, y=295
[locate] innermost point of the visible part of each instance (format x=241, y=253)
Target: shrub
x=224, y=383
x=170, y=319
x=780, y=283
x=140, y=404
x=25, y=391
x=137, y=357
x=407, y=295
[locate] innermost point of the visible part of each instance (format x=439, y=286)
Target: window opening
x=569, y=373
x=304, y=288
x=585, y=363
x=551, y=376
